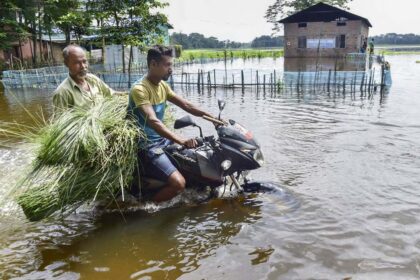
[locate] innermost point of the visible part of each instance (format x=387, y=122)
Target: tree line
x=124, y=22
x=397, y=39
x=199, y=41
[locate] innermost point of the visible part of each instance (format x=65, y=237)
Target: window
x=318, y=43
x=302, y=24
x=340, y=42
x=302, y=42
x=341, y=23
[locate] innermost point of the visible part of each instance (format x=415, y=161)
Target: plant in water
x=82, y=155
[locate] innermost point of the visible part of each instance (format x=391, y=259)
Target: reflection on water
x=350, y=162
x=23, y=105
x=161, y=245
x=324, y=64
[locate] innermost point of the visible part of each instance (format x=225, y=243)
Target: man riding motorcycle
x=147, y=102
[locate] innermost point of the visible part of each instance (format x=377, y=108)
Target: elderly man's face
x=77, y=63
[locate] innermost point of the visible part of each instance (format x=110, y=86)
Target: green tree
x=70, y=16
x=129, y=22
x=199, y=41
x=267, y=42
x=11, y=30
x=28, y=18
x=283, y=8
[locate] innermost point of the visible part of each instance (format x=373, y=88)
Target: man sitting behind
x=147, y=102
x=80, y=88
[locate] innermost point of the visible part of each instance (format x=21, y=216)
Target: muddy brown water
x=349, y=168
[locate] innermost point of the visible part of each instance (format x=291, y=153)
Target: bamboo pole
x=242, y=80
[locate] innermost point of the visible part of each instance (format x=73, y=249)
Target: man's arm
x=161, y=129
x=188, y=106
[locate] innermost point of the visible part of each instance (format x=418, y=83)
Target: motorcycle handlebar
x=200, y=142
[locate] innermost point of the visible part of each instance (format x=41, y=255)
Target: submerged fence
x=261, y=79
x=51, y=77
x=265, y=80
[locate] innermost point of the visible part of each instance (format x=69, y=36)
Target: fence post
x=329, y=80
x=264, y=83
x=242, y=81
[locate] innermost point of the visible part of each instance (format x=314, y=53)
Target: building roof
x=322, y=12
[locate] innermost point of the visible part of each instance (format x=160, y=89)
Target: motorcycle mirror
x=184, y=122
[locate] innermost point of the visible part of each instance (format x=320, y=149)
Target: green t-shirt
x=69, y=94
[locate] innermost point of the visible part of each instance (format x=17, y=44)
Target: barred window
x=302, y=42
x=340, y=42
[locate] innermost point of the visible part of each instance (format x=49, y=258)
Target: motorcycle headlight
x=258, y=156
x=226, y=164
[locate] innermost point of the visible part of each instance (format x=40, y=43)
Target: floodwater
x=348, y=206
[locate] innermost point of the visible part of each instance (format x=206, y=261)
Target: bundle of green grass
x=83, y=155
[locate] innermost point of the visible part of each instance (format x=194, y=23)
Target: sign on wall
x=328, y=43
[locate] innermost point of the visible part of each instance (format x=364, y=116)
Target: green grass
x=82, y=155
x=189, y=55
x=391, y=52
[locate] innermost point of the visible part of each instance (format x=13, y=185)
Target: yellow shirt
x=145, y=92
x=69, y=94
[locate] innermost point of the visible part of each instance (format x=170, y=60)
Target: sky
x=243, y=20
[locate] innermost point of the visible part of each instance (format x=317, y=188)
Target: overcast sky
x=243, y=20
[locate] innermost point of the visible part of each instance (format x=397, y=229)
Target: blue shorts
x=154, y=162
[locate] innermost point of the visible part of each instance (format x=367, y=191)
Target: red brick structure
x=325, y=31
x=24, y=51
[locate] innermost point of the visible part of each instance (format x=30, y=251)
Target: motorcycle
x=216, y=161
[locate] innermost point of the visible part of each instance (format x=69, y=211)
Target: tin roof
x=322, y=12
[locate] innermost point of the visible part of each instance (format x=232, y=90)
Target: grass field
x=188, y=55
x=392, y=52
x=397, y=49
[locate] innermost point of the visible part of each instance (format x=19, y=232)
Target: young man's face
x=162, y=69
x=77, y=63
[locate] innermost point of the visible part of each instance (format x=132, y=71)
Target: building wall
x=354, y=30
x=25, y=51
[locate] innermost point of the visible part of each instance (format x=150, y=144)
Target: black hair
x=156, y=52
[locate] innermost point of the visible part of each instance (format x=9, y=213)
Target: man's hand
x=189, y=143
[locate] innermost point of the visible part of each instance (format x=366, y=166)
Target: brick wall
x=354, y=30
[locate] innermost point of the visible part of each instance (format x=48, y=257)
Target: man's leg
x=160, y=167
x=174, y=186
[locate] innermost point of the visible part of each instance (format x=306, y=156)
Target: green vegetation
x=267, y=42
x=397, y=39
x=189, y=55
x=199, y=41
x=83, y=155
x=126, y=22
x=396, y=52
